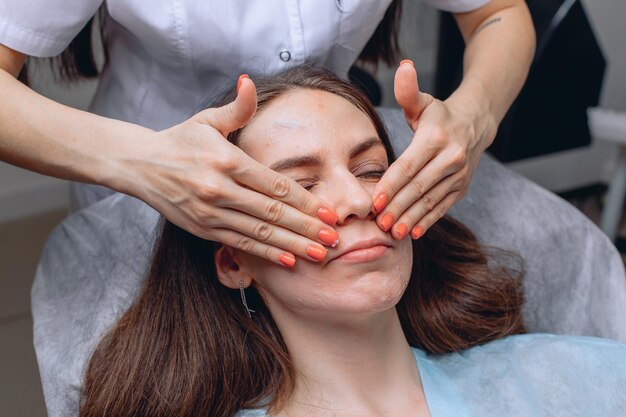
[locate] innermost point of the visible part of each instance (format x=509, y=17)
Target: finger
x=270, y=234
x=235, y=114
x=247, y=244
x=401, y=172
x=430, y=175
x=426, y=204
x=282, y=215
x=435, y=214
x=280, y=187
x=408, y=95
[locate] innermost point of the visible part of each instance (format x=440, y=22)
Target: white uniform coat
x=168, y=56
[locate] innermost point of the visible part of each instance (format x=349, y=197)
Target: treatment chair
x=93, y=263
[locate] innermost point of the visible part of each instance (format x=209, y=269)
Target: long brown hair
x=186, y=347
x=78, y=60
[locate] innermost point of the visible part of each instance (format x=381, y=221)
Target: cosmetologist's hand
x=204, y=184
x=434, y=172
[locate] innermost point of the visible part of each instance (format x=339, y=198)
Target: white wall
x=418, y=42
x=607, y=18
x=23, y=193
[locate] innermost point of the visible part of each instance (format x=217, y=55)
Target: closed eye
x=375, y=174
x=370, y=169
x=307, y=183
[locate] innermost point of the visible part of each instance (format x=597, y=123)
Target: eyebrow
x=365, y=146
x=315, y=160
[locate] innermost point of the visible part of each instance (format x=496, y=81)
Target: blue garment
x=533, y=375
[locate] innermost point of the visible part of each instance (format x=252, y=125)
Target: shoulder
x=538, y=346
x=251, y=413
x=536, y=374
x=535, y=348
x=535, y=354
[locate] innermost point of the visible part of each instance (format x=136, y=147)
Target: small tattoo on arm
x=487, y=23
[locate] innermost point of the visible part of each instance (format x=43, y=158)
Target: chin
x=368, y=293
x=376, y=299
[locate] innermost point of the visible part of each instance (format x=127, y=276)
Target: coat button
x=285, y=56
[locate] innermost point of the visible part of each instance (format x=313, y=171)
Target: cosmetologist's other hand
x=434, y=172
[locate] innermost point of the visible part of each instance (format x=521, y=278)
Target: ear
x=229, y=269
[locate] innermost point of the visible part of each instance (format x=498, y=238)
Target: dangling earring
x=243, y=299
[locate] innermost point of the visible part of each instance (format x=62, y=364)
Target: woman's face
x=331, y=148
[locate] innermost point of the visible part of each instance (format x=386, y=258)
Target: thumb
x=408, y=95
x=235, y=114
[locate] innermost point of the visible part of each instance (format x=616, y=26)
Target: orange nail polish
x=386, y=221
x=287, y=259
x=401, y=230
x=407, y=61
x=327, y=215
x=417, y=232
x=316, y=252
x=241, y=78
x=329, y=237
x=380, y=202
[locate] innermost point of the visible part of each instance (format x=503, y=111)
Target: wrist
x=472, y=99
x=119, y=167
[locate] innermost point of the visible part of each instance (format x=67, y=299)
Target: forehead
x=305, y=121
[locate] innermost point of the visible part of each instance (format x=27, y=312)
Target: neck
x=352, y=366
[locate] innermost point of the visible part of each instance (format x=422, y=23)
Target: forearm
x=498, y=54
x=47, y=137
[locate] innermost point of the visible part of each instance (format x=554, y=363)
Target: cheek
x=384, y=288
x=273, y=281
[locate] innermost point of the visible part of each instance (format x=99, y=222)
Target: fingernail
x=330, y=237
x=386, y=221
x=401, y=230
x=407, y=61
x=380, y=202
x=417, y=232
x=241, y=78
x=316, y=252
x=327, y=215
x=287, y=259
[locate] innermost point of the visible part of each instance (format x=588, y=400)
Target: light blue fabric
x=534, y=375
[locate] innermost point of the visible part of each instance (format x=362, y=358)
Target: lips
x=363, y=250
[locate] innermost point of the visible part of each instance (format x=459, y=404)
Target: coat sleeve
x=43, y=28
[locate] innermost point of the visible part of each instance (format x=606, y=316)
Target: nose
x=350, y=197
